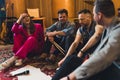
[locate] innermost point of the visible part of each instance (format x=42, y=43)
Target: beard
x=62, y=22
x=100, y=22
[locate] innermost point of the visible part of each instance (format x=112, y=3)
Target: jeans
x=69, y=65
x=64, y=42
x=72, y=62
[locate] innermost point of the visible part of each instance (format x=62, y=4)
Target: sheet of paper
x=35, y=73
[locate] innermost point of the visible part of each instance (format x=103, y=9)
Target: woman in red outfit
x=28, y=40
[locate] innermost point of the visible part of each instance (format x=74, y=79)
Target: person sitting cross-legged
x=87, y=39
x=61, y=32
x=107, y=51
x=28, y=40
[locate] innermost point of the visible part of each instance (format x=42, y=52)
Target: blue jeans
x=69, y=65
x=64, y=42
x=72, y=62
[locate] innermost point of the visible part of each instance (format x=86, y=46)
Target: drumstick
x=59, y=48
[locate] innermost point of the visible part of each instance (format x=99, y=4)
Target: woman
x=28, y=40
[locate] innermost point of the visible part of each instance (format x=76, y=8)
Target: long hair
x=31, y=24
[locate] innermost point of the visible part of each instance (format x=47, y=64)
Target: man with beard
x=87, y=39
x=107, y=51
x=62, y=32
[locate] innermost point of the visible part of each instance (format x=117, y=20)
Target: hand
x=49, y=34
x=64, y=78
x=79, y=54
x=51, y=39
x=61, y=62
x=71, y=77
x=21, y=17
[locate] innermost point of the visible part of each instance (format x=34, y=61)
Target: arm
x=100, y=59
x=54, y=33
x=54, y=30
x=73, y=46
x=39, y=33
x=51, y=31
x=93, y=40
x=15, y=28
x=20, y=18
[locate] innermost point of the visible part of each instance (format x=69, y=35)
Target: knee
x=31, y=39
x=18, y=36
x=70, y=58
x=69, y=39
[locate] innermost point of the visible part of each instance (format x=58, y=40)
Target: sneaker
x=8, y=62
x=18, y=62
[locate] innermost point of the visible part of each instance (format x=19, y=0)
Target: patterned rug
x=6, y=52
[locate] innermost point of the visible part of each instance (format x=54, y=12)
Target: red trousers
x=23, y=47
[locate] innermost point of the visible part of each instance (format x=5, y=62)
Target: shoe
x=51, y=59
x=2, y=67
x=43, y=56
x=18, y=62
x=2, y=42
x=8, y=63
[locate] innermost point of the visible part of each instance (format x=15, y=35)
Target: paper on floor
x=35, y=74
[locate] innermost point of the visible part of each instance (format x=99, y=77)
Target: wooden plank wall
x=117, y=5
x=60, y=4
x=15, y=7
x=46, y=7
x=81, y=4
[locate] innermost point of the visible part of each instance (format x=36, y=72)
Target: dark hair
x=106, y=7
x=32, y=27
x=85, y=11
x=63, y=11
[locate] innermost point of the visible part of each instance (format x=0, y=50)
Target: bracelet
x=81, y=51
x=68, y=78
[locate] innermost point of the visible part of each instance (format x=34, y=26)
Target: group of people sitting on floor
x=98, y=39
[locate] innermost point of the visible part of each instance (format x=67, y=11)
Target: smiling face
x=26, y=19
x=84, y=19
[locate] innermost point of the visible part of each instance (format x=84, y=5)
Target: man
x=88, y=35
x=84, y=33
x=108, y=49
x=61, y=32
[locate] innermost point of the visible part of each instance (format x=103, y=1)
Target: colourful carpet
x=6, y=52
